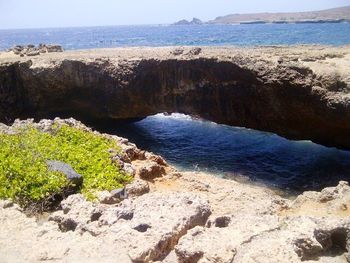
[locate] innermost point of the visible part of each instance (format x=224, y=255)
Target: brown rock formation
x=180, y=217
x=296, y=92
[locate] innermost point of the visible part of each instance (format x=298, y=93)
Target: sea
x=192, y=144
x=168, y=35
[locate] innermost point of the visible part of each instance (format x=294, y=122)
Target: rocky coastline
x=299, y=92
x=171, y=216
x=165, y=215
x=334, y=15
x=32, y=50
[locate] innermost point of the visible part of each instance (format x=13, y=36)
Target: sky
x=68, y=13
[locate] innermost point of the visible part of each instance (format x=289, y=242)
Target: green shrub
x=24, y=175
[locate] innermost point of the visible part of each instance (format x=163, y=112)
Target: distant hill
x=341, y=14
x=184, y=22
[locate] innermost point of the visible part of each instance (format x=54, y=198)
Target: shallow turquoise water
x=227, y=151
x=158, y=35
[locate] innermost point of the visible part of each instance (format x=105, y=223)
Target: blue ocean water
x=162, y=35
x=192, y=144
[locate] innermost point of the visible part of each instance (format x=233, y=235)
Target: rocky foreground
x=300, y=92
x=168, y=216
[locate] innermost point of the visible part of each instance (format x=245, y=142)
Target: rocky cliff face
x=299, y=93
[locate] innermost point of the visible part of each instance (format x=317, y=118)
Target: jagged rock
x=131, y=152
x=316, y=237
x=332, y=193
x=31, y=53
x=53, y=48
x=177, y=51
x=137, y=188
x=129, y=169
x=119, y=193
x=104, y=197
x=151, y=170
x=31, y=50
x=148, y=226
x=168, y=226
x=17, y=49
x=112, y=197
x=330, y=200
x=195, y=51
x=217, y=244
x=195, y=246
x=167, y=218
x=307, y=248
x=124, y=211
x=76, y=212
x=222, y=221
x=156, y=158
x=298, y=239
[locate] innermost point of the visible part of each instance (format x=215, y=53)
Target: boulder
x=331, y=200
x=177, y=51
x=195, y=51
x=137, y=188
x=129, y=169
x=32, y=53
x=130, y=153
x=151, y=170
x=72, y=176
x=54, y=48
x=17, y=49
x=156, y=158
x=76, y=213
x=32, y=50
x=112, y=197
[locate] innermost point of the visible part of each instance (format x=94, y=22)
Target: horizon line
x=160, y=24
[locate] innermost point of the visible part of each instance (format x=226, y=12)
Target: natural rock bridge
x=298, y=92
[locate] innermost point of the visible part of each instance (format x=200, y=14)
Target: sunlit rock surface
x=298, y=92
x=180, y=217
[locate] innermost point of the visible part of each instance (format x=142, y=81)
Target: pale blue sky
x=65, y=13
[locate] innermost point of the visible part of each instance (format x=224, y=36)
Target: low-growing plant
x=24, y=174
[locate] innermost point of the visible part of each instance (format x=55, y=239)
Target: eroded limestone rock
x=32, y=50
x=151, y=170
x=137, y=188
x=76, y=213
x=220, y=244
x=295, y=98
x=148, y=227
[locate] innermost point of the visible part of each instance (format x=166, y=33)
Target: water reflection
x=227, y=151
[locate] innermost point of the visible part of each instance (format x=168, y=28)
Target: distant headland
x=184, y=22
x=334, y=15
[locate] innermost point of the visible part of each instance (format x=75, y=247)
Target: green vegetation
x=24, y=175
